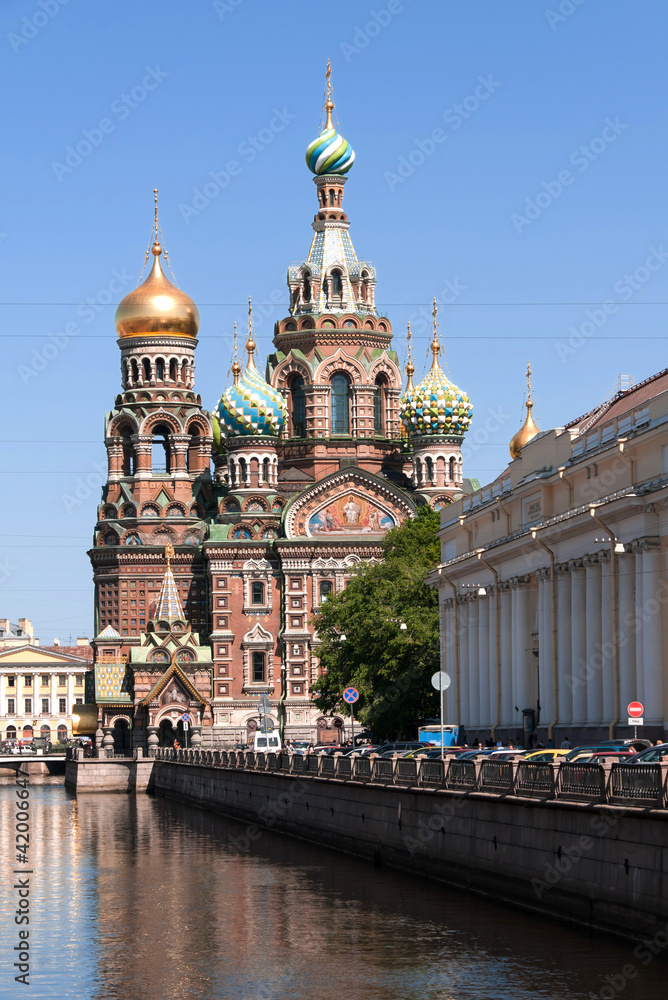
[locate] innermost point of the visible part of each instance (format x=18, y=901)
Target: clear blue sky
x=182, y=89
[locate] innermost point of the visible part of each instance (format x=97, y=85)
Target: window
x=160, y=449
x=78, y=701
x=452, y=470
x=298, y=406
x=160, y=369
x=11, y=680
x=78, y=680
x=45, y=680
x=257, y=593
x=11, y=706
x=62, y=680
x=27, y=681
x=45, y=706
x=28, y=706
x=325, y=590
x=258, y=668
x=379, y=401
x=337, y=285
x=62, y=706
x=62, y=733
x=340, y=405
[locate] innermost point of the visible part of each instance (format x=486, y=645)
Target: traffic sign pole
x=441, y=682
x=350, y=696
x=635, y=711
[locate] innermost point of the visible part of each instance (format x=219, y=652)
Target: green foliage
x=390, y=667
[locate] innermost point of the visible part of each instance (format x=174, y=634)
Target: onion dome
x=157, y=307
x=436, y=405
x=330, y=153
x=529, y=428
x=250, y=406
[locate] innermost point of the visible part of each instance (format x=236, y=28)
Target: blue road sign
x=350, y=695
x=185, y=717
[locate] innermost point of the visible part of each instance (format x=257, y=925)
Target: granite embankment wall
x=99, y=774
x=600, y=865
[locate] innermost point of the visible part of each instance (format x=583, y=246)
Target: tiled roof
x=85, y=652
x=169, y=602
x=622, y=402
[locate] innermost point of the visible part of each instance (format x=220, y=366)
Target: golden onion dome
x=526, y=433
x=157, y=307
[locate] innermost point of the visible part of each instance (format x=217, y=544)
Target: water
x=149, y=899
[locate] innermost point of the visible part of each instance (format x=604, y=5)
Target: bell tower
x=158, y=440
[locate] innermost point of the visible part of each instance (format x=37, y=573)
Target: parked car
x=607, y=755
x=545, y=756
x=650, y=756
x=401, y=747
x=586, y=751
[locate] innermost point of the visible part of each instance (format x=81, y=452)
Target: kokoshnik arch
x=313, y=462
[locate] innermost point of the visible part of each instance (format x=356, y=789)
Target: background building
x=552, y=586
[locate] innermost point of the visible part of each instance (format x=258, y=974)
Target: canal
x=136, y=897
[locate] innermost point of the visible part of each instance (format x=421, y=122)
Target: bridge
x=53, y=763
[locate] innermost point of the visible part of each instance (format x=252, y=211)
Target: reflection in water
x=138, y=897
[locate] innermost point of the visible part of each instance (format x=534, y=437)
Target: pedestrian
x=549, y=745
x=566, y=744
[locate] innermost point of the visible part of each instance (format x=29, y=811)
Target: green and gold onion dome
x=250, y=407
x=157, y=307
x=436, y=405
x=330, y=153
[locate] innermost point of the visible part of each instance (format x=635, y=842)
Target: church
x=221, y=533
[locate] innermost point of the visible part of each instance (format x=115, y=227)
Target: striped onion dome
x=330, y=153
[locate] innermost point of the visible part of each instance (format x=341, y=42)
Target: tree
x=390, y=667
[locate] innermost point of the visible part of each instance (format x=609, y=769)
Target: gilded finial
x=236, y=367
x=169, y=554
x=250, y=343
x=435, y=346
x=410, y=367
x=329, y=104
x=529, y=428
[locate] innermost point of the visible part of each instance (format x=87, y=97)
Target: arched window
x=160, y=449
x=337, y=285
x=340, y=405
x=326, y=588
x=430, y=468
x=160, y=369
x=128, y=453
x=379, y=404
x=331, y=196
x=257, y=592
x=242, y=473
x=258, y=668
x=193, y=451
x=135, y=371
x=265, y=470
x=146, y=365
x=307, y=288
x=172, y=369
x=452, y=470
x=298, y=406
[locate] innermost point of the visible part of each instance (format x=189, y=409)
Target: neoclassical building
x=313, y=462
x=553, y=581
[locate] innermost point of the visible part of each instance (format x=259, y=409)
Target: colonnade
x=498, y=643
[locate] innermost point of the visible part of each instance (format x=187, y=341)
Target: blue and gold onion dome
x=250, y=407
x=436, y=405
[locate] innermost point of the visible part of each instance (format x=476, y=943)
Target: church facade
x=266, y=505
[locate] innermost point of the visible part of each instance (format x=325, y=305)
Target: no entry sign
x=635, y=709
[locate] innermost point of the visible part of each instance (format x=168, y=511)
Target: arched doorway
x=171, y=730
x=122, y=739
x=27, y=733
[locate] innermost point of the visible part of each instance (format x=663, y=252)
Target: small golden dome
x=157, y=307
x=525, y=434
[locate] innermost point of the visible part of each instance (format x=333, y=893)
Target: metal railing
x=629, y=784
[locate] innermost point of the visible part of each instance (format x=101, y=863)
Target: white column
x=625, y=635
x=607, y=644
x=474, y=665
x=450, y=662
x=463, y=613
x=483, y=659
x=593, y=675
x=493, y=670
x=545, y=647
x=578, y=642
x=507, y=711
x=564, y=651
x=522, y=656
x=651, y=613
x=639, y=625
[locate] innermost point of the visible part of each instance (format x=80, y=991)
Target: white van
x=267, y=743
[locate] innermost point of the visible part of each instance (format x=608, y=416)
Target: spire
x=529, y=428
x=435, y=346
x=250, y=343
x=169, y=606
x=410, y=367
x=236, y=367
x=329, y=103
